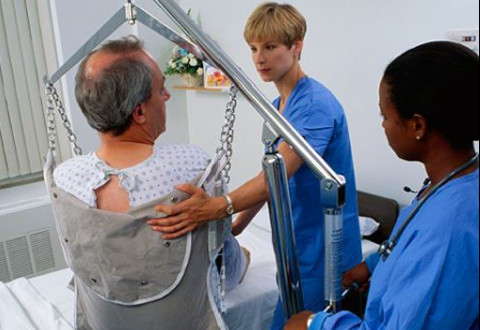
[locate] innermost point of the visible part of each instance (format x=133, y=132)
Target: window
x=26, y=53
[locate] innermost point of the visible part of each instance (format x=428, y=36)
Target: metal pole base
x=283, y=235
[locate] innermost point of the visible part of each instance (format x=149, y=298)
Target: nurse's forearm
x=256, y=190
x=251, y=194
x=244, y=219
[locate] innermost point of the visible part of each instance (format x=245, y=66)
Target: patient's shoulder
x=183, y=155
x=78, y=176
x=80, y=165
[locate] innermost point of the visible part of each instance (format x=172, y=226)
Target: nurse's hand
x=359, y=274
x=187, y=216
x=299, y=321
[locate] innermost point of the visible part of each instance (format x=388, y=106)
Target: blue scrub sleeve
x=372, y=262
x=318, y=130
x=318, y=321
x=343, y=320
x=317, y=134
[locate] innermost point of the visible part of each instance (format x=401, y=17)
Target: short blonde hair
x=275, y=22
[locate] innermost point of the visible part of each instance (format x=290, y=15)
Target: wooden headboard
x=381, y=209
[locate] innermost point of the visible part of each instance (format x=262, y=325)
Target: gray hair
x=109, y=99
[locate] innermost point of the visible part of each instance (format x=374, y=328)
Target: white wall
x=348, y=45
x=206, y=111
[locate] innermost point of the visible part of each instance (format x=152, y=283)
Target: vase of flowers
x=186, y=65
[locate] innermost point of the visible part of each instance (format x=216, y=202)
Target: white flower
x=191, y=56
x=172, y=64
x=185, y=60
x=199, y=71
x=193, y=62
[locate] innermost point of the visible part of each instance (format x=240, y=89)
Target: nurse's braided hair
x=439, y=81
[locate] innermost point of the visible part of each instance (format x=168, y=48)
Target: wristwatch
x=230, y=208
x=310, y=320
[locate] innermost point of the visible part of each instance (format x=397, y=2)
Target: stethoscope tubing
x=387, y=247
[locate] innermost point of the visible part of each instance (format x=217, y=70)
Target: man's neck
x=121, y=152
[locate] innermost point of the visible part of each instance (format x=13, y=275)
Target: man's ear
x=139, y=115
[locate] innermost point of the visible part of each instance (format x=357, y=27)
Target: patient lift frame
x=276, y=128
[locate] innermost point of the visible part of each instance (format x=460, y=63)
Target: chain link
x=227, y=135
x=51, y=127
x=54, y=101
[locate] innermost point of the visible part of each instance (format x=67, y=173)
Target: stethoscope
x=387, y=247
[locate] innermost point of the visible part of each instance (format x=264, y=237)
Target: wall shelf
x=198, y=89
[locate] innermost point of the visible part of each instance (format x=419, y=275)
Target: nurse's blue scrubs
x=430, y=281
x=317, y=115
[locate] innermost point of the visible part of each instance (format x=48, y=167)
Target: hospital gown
x=157, y=176
x=317, y=115
x=430, y=281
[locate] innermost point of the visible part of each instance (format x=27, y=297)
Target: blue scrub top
x=431, y=280
x=318, y=116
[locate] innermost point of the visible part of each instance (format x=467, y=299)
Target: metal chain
x=54, y=101
x=51, y=127
x=226, y=138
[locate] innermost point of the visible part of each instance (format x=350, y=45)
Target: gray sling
x=127, y=277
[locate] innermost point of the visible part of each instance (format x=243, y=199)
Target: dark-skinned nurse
x=429, y=99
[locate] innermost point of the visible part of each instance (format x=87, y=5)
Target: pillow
x=368, y=226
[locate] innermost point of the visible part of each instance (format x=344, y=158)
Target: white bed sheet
x=22, y=307
x=250, y=306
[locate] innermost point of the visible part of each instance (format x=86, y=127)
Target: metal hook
x=130, y=12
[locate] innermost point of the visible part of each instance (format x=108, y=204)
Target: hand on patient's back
x=359, y=274
x=187, y=216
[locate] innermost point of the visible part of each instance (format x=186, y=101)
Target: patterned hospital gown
x=157, y=176
x=169, y=166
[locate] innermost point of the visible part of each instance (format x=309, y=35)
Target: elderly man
x=126, y=275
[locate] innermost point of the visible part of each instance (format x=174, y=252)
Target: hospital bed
x=47, y=303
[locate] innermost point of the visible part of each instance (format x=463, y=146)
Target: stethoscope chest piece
x=386, y=249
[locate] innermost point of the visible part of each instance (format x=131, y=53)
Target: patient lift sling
x=275, y=128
